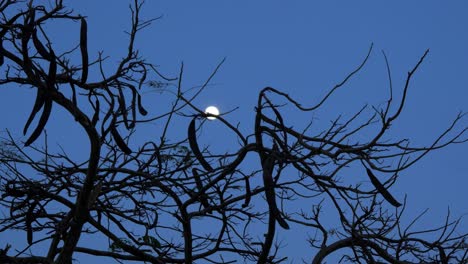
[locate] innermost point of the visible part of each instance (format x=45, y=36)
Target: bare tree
x=150, y=202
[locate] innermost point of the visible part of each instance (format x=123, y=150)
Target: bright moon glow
x=212, y=110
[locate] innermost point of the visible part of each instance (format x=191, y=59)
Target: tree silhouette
x=150, y=201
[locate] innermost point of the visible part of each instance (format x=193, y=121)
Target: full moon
x=213, y=110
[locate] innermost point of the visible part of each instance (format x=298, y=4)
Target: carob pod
x=381, y=189
x=267, y=165
x=42, y=99
x=192, y=138
x=42, y=121
x=40, y=48
x=141, y=109
x=96, y=114
x=84, y=50
x=39, y=102
x=248, y=192
x=119, y=140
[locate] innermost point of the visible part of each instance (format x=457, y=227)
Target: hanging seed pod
x=39, y=102
x=248, y=192
x=96, y=114
x=40, y=48
x=119, y=141
x=381, y=189
x=84, y=50
x=42, y=100
x=141, y=109
x=105, y=130
x=42, y=121
x=192, y=138
x=267, y=166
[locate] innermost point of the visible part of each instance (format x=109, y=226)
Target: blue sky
x=303, y=48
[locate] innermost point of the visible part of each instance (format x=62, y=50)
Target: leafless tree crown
x=151, y=202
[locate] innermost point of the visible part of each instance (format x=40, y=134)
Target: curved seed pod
x=40, y=48
x=280, y=120
x=248, y=193
x=281, y=220
x=28, y=28
x=107, y=116
x=39, y=102
x=84, y=50
x=198, y=181
x=99, y=216
x=381, y=189
x=141, y=109
x=267, y=165
x=29, y=230
x=96, y=114
x=192, y=138
x=26, y=35
x=42, y=121
x=119, y=141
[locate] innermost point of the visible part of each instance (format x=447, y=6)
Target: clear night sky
x=303, y=48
